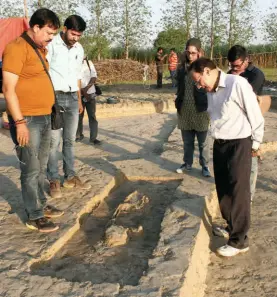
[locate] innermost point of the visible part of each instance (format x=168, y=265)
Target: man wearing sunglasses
x=240, y=65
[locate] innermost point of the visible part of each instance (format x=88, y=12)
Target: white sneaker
x=229, y=251
x=221, y=232
x=184, y=167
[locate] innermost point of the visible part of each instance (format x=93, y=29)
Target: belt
x=61, y=92
x=222, y=141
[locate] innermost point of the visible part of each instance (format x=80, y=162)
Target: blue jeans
x=69, y=101
x=188, y=137
x=33, y=160
x=173, y=77
x=253, y=176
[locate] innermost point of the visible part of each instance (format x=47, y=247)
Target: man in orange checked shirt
x=173, y=63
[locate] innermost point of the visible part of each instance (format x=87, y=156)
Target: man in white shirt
x=88, y=91
x=65, y=56
x=237, y=126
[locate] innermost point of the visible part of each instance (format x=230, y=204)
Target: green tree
x=270, y=24
x=179, y=14
x=11, y=8
x=63, y=8
x=241, y=21
x=92, y=44
x=101, y=24
x=171, y=38
x=133, y=24
x=217, y=25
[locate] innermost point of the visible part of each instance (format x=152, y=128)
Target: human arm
x=80, y=58
x=79, y=97
x=248, y=99
x=257, y=80
x=93, y=77
x=9, y=84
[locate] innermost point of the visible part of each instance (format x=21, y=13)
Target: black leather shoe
x=78, y=139
x=95, y=142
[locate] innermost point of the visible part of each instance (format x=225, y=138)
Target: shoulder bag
x=57, y=110
x=98, y=91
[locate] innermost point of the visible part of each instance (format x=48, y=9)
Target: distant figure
x=240, y=65
x=159, y=58
x=88, y=92
x=237, y=127
x=172, y=66
x=30, y=97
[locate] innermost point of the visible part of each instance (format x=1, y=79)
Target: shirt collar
x=250, y=66
x=221, y=83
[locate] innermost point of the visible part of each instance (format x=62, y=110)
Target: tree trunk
x=98, y=16
x=187, y=18
x=197, y=19
x=231, y=21
x=212, y=31
x=126, y=49
x=40, y=3
x=25, y=9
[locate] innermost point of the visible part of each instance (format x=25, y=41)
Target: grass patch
x=270, y=73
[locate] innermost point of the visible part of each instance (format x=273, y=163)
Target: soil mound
x=109, y=71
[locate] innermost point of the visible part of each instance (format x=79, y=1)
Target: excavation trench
x=117, y=238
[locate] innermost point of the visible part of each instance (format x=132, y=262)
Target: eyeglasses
x=191, y=53
x=197, y=82
x=238, y=66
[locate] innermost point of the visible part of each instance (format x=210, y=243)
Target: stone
x=116, y=236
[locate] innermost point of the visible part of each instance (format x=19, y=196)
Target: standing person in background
x=65, y=56
x=30, y=97
x=240, y=65
x=172, y=65
x=88, y=91
x=159, y=58
x=191, y=104
x=237, y=126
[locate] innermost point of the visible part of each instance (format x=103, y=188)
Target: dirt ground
x=138, y=239
x=254, y=273
x=123, y=259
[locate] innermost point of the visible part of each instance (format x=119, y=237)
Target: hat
x=193, y=42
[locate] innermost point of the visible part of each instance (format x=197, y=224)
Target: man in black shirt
x=159, y=58
x=240, y=65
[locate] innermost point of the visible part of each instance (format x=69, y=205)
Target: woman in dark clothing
x=191, y=104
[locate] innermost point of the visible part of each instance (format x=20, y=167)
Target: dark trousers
x=159, y=76
x=93, y=124
x=232, y=168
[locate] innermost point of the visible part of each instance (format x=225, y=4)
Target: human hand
x=81, y=109
x=256, y=153
x=23, y=134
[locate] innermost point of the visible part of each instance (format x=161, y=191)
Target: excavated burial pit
x=117, y=238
